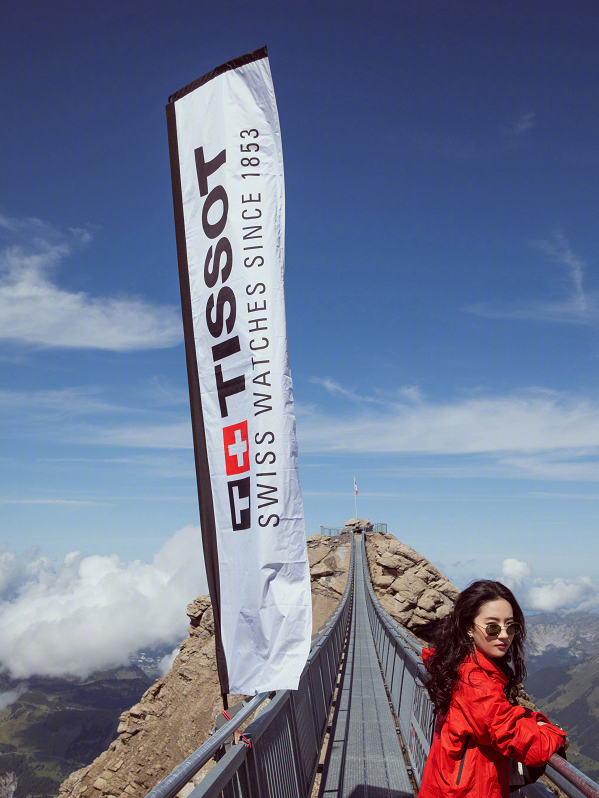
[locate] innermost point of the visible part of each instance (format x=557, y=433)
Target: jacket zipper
x=463, y=758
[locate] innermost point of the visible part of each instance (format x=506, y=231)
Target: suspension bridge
x=358, y=726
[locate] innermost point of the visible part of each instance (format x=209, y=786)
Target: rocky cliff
x=412, y=590
x=176, y=713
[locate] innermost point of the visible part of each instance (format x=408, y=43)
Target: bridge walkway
x=364, y=757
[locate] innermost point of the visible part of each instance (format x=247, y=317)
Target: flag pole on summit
x=356, y=496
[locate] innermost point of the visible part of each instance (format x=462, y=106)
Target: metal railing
x=400, y=656
x=330, y=531
x=287, y=736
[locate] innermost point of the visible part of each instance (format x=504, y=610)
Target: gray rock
x=317, y=553
x=409, y=586
x=430, y=600
x=321, y=569
x=394, y=562
x=384, y=581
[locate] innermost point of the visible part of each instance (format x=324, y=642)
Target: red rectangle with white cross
x=237, y=449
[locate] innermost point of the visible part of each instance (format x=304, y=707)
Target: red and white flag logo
x=355, y=486
x=237, y=450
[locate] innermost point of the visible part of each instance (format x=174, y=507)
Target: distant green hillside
x=60, y=725
x=569, y=695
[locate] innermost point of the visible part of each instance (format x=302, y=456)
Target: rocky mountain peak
x=410, y=588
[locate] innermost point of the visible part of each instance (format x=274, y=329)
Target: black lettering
x=225, y=297
x=217, y=194
x=261, y=403
x=261, y=458
x=254, y=259
x=265, y=497
x=239, y=502
x=257, y=326
x=226, y=349
x=250, y=235
x=211, y=275
x=204, y=169
x=258, y=363
x=257, y=215
x=263, y=438
x=256, y=308
x=227, y=388
x=250, y=198
x=254, y=289
x=258, y=348
x=267, y=522
x=261, y=378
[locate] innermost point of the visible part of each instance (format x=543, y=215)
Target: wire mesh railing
x=286, y=738
x=400, y=656
x=331, y=531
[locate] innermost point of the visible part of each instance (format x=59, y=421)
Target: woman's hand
x=566, y=744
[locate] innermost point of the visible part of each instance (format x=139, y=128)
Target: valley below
x=563, y=666
x=57, y=725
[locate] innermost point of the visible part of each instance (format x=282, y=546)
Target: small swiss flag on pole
x=355, y=486
x=356, y=496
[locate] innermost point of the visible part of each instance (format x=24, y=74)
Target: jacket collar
x=487, y=664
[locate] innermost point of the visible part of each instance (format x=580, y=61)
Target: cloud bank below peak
x=549, y=596
x=34, y=310
x=92, y=612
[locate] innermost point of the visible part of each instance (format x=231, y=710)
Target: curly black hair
x=452, y=644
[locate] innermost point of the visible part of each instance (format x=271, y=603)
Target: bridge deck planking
x=364, y=758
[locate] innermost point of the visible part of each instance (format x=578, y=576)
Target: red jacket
x=481, y=718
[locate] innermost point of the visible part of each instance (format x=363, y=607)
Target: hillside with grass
x=569, y=695
x=54, y=726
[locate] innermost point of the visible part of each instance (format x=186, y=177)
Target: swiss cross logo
x=237, y=450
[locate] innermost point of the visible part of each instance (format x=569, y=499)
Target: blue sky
x=442, y=253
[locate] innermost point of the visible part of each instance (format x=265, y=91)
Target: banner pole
x=356, y=497
x=205, y=498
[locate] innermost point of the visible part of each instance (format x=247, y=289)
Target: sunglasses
x=494, y=629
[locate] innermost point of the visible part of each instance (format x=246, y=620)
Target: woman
x=475, y=670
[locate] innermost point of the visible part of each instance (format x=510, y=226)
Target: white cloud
x=166, y=663
x=154, y=436
x=67, y=502
x=35, y=310
x=524, y=123
x=534, y=433
x=575, y=306
x=412, y=393
x=549, y=596
x=528, y=422
x=91, y=612
x=10, y=696
x=333, y=387
x=577, y=594
x=61, y=403
x=514, y=572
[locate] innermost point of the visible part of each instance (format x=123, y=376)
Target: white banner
x=229, y=188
